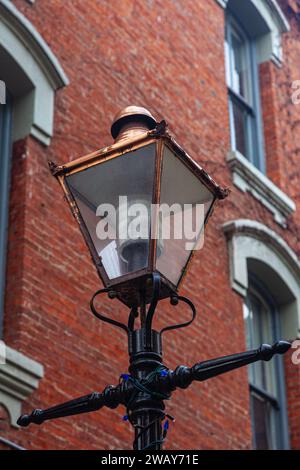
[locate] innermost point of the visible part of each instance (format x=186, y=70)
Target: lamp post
x=133, y=201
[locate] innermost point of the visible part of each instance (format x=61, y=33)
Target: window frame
x=254, y=127
x=279, y=418
x=5, y=179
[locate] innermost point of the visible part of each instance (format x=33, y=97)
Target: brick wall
x=167, y=56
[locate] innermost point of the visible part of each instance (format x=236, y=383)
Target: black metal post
x=146, y=409
x=149, y=382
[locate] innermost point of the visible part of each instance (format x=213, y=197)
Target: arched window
x=266, y=379
x=30, y=74
x=265, y=271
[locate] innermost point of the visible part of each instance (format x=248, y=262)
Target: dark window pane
x=261, y=416
x=5, y=162
x=240, y=128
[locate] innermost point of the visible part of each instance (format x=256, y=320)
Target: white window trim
x=248, y=239
x=19, y=377
x=248, y=178
x=222, y=3
x=269, y=45
x=28, y=49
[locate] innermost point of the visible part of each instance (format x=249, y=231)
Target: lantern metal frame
x=129, y=286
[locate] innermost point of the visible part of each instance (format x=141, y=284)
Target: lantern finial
x=130, y=121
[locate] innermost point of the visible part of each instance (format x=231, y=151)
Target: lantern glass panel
x=114, y=198
x=184, y=204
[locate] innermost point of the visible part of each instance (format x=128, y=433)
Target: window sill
x=249, y=179
x=19, y=377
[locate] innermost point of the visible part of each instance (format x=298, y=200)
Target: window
x=33, y=74
x=266, y=379
x=254, y=248
x=244, y=98
x=5, y=159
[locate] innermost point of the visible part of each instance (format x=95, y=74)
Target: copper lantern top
x=130, y=121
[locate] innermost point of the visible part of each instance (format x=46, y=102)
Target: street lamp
x=127, y=188
x=142, y=204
